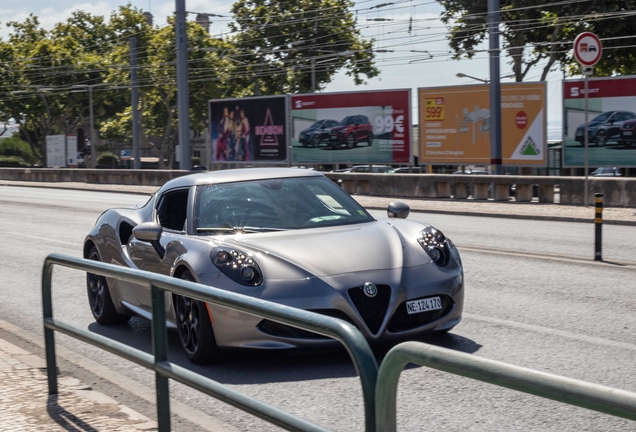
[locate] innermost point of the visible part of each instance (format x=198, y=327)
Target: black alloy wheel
x=316, y=141
x=99, y=298
x=601, y=137
x=351, y=141
x=370, y=139
x=195, y=328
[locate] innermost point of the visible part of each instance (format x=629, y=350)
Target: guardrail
x=344, y=332
x=595, y=397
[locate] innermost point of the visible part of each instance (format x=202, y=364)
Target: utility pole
x=182, y=86
x=135, y=101
x=495, y=86
x=93, y=143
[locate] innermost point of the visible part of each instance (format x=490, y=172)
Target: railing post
x=598, y=224
x=49, y=338
x=160, y=351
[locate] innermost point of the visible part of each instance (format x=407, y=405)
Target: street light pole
x=313, y=75
x=182, y=86
x=495, y=86
x=93, y=146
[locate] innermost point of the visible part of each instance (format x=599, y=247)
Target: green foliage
x=14, y=146
x=13, y=162
x=107, y=160
x=276, y=42
x=195, y=160
x=537, y=32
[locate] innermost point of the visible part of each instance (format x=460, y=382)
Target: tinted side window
x=173, y=209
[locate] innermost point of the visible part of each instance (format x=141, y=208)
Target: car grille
x=402, y=320
x=371, y=309
x=283, y=330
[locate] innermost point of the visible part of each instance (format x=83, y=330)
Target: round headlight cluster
x=435, y=244
x=237, y=265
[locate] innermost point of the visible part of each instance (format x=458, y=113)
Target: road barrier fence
x=379, y=387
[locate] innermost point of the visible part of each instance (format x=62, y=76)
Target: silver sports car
x=290, y=236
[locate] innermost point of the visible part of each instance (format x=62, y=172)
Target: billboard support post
x=587, y=140
x=495, y=86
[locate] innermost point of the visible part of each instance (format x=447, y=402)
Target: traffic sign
x=587, y=49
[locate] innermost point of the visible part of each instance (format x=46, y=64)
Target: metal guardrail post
x=49, y=337
x=619, y=403
x=598, y=227
x=160, y=351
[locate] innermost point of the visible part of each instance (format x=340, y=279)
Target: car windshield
x=347, y=120
x=273, y=205
x=603, y=117
x=316, y=125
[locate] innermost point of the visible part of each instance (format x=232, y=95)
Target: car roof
x=237, y=175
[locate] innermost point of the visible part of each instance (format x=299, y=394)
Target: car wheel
x=351, y=141
x=370, y=139
x=316, y=141
x=601, y=138
x=195, y=328
x=99, y=298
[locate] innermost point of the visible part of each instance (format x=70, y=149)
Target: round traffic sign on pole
x=587, y=49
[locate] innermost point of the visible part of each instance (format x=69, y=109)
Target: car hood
x=333, y=250
x=338, y=128
x=592, y=124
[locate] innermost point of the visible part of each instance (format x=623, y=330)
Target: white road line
x=184, y=411
x=546, y=330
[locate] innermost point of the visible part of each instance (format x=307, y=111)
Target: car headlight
x=435, y=244
x=238, y=266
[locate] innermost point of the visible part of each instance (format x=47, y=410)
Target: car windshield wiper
x=243, y=229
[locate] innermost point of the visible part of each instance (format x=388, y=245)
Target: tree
x=277, y=44
x=533, y=31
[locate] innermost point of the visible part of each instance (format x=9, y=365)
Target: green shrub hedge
x=14, y=146
x=107, y=160
x=13, y=162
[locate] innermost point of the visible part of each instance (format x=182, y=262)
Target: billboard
x=455, y=124
x=611, y=122
x=352, y=127
x=249, y=129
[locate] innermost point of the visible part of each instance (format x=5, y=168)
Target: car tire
x=351, y=141
x=601, y=138
x=99, y=299
x=316, y=141
x=194, y=326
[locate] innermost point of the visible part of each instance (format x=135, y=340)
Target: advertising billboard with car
x=455, y=124
x=353, y=127
x=611, y=122
x=249, y=129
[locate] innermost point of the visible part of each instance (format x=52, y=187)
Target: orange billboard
x=454, y=124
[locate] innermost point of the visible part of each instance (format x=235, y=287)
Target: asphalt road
x=534, y=298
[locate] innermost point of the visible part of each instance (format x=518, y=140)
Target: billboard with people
x=250, y=129
x=352, y=127
x=611, y=122
x=454, y=124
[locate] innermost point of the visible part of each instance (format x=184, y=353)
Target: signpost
x=587, y=51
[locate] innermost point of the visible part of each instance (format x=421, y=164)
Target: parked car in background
x=317, y=133
x=628, y=133
x=372, y=169
x=289, y=236
x=351, y=131
x=606, y=127
x=606, y=172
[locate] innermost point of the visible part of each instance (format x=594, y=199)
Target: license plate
x=627, y=133
x=424, y=305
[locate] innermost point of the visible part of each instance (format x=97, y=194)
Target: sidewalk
x=469, y=207
x=26, y=406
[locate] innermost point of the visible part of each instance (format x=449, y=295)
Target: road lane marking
x=73, y=245
x=553, y=332
x=184, y=411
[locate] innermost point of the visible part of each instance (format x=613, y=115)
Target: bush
x=107, y=160
x=13, y=162
x=14, y=146
x=195, y=161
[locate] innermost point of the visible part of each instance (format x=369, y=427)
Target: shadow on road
x=251, y=366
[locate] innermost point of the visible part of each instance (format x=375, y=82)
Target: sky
x=429, y=66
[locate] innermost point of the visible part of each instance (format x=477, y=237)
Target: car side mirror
x=150, y=232
x=398, y=209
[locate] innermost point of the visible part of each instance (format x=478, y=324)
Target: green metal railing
x=595, y=397
x=344, y=332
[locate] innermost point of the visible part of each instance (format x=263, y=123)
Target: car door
x=171, y=213
x=619, y=118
